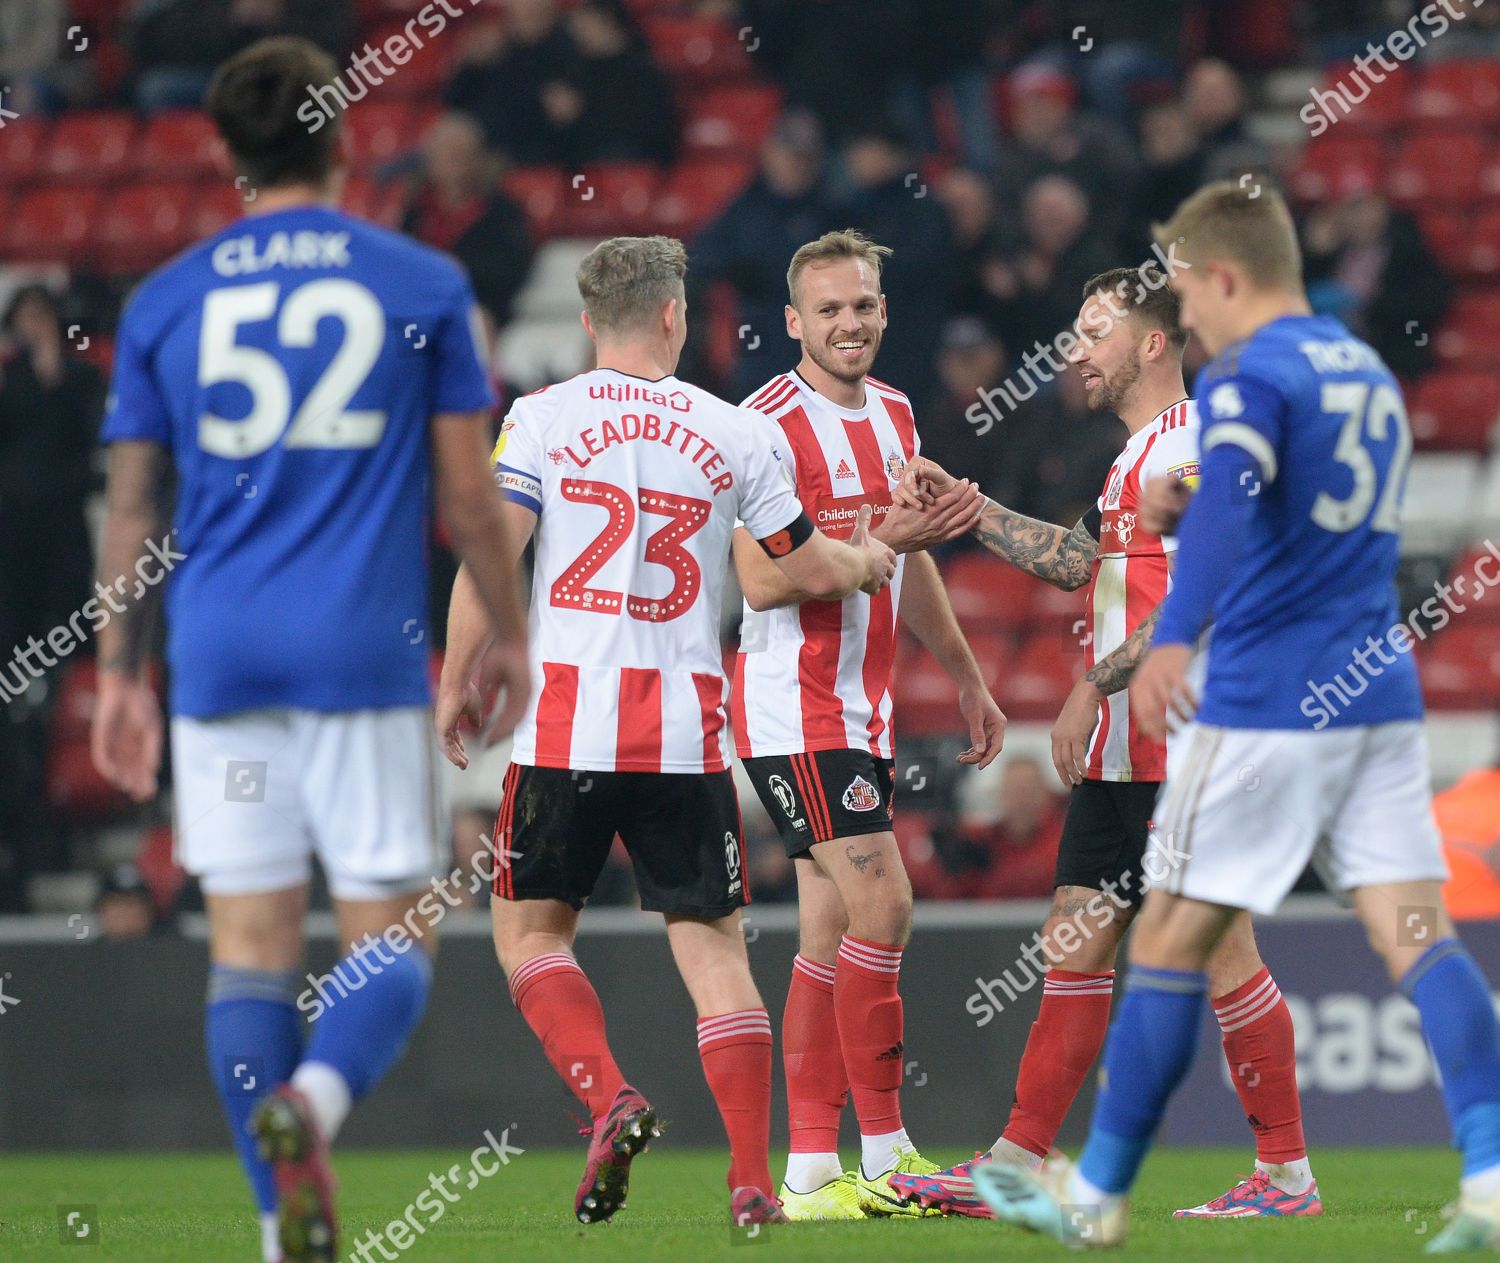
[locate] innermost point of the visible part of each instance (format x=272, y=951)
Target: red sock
x=559, y=1004
x=1262, y=1054
x=868, y=1008
x=736, y=1053
x=817, y=1085
x=1063, y=1045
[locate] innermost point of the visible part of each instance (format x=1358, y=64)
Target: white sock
x=327, y=1091
x=1082, y=1193
x=878, y=1154
x=808, y=1171
x=270, y=1238
x=1008, y=1151
x=1292, y=1178
x=1482, y=1185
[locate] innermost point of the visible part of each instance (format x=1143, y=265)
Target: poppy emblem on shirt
x=558, y=456
x=861, y=795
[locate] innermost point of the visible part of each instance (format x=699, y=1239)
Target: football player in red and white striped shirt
x=812, y=714
x=1130, y=356
x=631, y=482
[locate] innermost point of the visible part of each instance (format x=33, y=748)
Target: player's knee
x=883, y=915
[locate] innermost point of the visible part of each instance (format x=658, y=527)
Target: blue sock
x=253, y=1034
x=1458, y=1018
x=362, y=1032
x=1150, y=1049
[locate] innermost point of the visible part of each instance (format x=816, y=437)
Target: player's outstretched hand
x=1160, y=696
x=986, y=726
x=880, y=561
x=506, y=666
x=1072, y=732
x=955, y=512
x=1163, y=502
x=922, y=483
x=126, y=734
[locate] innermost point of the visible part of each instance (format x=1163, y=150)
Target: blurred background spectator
x=458, y=206
x=176, y=44
x=747, y=249
x=35, y=66
x=616, y=105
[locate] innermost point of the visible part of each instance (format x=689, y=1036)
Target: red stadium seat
x=735, y=118
x=1455, y=410
x=380, y=131
x=695, y=192
x=178, y=143
x=1041, y=679
x=1470, y=337
x=539, y=190
x=1466, y=90
x=617, y=197
x=215, y=204
x=422, y=75
x=1489, y=174
x=926, y=700
x=986, y=593
x=1336, y=164
x=380, y=203
x=1483, y=604
x=1436, y=167
x=1447, y=233
x=1461, y=669
x=1384, y=106
x=22, y=141
x=96, y=145
x=703, y=49
x=49, y=223
x=141, y=225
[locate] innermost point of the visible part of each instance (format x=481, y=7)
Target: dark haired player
x=1130, y=357
x=304, y=375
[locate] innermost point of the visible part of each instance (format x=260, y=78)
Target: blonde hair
x=1224, y=221
x=625, y=281
x=848, y=243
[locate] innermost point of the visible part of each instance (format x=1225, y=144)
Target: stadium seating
x=50, y=222
x=1461, y=667
x=1436, y=166
x=731, y=119
x=177, y=144
x=21, y=143
x=1441, y=495
x=1457, y=90
x=610, y=197
x=92, y=145
x=696, y=191
x=140, y=224
x=701, y=49
x=1336, y=162
x=1457, y=409
x=1470, y=336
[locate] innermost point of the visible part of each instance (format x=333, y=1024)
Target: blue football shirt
x=291, y=364
x=1302, y=633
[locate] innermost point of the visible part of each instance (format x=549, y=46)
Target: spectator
x=891, y=204
x=177, y=44
x=515, y=81
x=836, y=58
x=1037, y=287
x=617, y=105
x=49, y=413
x=1368, y=264
x=1214, y=98
x=38, y=73
x=457, y=207
x=970, y=359
x=945, y=57
x=1056, y=452
x=1050, y=137
x=969, y=199
x=750, y=244
x=1171, y=163
x=1015, y=856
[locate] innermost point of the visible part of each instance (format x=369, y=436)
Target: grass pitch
x=165, y=1208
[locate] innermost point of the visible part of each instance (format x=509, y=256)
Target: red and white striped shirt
x=637, y=485
x=817, y=676
x=1131, y=578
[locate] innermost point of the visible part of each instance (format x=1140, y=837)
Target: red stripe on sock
x=1062, y=1047
x=737, y=1065
x=1261, y=1051
x=867, y=1005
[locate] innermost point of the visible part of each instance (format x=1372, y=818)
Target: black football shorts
x=824, y=795
x=682, y=830
x=1104, y=836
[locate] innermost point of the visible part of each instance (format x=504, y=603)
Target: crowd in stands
x=1004, y=160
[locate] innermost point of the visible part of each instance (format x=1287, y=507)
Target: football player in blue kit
x=306, y=377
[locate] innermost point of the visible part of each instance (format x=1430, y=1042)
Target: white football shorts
x=1243, y=810
x=258, y=793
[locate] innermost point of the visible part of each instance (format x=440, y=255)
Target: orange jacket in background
x=1468, y=815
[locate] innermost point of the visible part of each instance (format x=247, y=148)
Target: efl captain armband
x=788, y=538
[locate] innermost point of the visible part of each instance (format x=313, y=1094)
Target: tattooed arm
x=1064, y=558
x=1113, y=671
